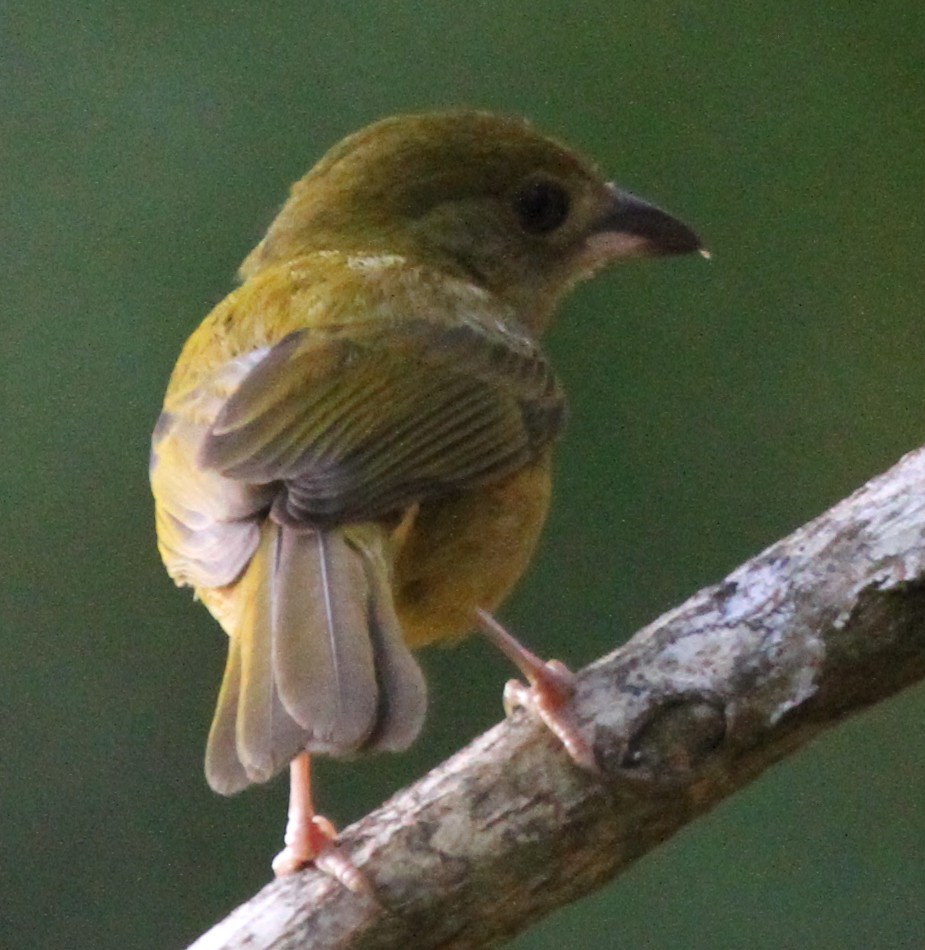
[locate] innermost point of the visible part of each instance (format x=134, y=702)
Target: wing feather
x=355, y=424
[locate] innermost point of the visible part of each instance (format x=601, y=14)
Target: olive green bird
x=353, y=458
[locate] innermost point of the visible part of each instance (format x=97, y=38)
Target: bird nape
x=354, y=454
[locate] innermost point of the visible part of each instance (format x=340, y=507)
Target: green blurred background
x=144, y=148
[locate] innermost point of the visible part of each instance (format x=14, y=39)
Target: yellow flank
x=468, y=551
x=355, y=449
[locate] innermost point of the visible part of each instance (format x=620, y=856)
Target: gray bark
x=694, y=706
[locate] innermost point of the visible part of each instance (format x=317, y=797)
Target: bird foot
x=316, y=843
x=549, y=695
x=305, y=841
x=312, y=839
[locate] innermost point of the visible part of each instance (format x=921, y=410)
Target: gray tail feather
x=317, y=660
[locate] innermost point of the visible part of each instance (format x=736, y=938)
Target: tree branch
x=697, y=704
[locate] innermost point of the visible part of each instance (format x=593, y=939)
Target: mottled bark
x=700, y=702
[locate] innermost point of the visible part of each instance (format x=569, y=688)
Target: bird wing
x=362, y=420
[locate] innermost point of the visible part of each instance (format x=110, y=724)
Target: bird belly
x=468, y=551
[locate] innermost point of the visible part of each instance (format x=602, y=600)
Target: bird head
x=483, y=197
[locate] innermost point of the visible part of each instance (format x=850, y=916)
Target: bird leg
x=552, y=686
x=311, y=838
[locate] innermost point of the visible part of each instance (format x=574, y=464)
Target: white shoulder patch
x=375, y=262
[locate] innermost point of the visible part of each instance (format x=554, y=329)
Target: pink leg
x=311, y=838
x=552, y=685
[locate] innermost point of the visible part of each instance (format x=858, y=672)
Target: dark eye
x=541, y=205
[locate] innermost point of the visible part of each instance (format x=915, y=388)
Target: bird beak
x=631, y=227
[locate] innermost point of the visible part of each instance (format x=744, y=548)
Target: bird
x=354, y=456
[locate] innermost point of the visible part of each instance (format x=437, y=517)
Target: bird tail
x=316, y=658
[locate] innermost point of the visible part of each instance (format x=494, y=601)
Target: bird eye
x=541, y=205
